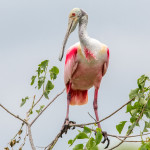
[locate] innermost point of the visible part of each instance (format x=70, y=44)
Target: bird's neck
x=85, y=39
x=83, y=35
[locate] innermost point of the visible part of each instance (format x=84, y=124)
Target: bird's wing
x=105, y=66
x=71, y=62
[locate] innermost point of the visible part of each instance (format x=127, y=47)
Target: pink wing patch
x=71, y=53
x=88, y=54
x=70, y=63
x=107, y=53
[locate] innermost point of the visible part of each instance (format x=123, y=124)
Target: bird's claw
x=105, y=139
x=66, y=126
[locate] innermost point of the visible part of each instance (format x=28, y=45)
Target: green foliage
x=120, y=126
x=40, y=109
x=137, y=108
x=24, y=101
x=145, y=146
x=54, y=72
x=33, y=80
x=92, y=142
x=78, y=147
x=49, y=87
x=41, y=78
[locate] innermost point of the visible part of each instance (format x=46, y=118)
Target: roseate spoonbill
x=85, y=65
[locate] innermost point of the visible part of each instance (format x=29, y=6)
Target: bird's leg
x=66, y=126
x=97, y=118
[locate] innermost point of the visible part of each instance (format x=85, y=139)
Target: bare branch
x=46, y=107
x=91, y=116
x=128, y=136
x=24, y=138
x=52, y=144
x=30, y=138
x=16, y=116
x=79, y=125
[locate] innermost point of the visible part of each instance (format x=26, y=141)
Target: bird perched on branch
x=85, y=65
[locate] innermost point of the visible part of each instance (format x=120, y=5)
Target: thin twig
x=19, y=130
x=16, y=116
x=78, y=125
x=35, y=103
x=24, y=139
x=128, y=136
x=91, y=116
x=46, y=107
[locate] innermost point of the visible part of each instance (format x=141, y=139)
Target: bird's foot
x=105, y=139
x=66, y=126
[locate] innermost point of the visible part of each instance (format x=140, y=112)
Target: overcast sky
x=32, y=31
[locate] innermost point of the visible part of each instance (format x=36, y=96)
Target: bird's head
x=74, y=17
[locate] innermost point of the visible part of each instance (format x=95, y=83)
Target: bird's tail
x=78, y=97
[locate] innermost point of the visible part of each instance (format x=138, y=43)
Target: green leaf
x=78, y=147
x=40, y=109
x=41, y=82
x=86, y=130
x=54, y=72
x=39, y=71
x=81, y=135
x=49, y=87
x=70, y=142
x=133, y=93
x=129, y=108
x=91, y=143
x=133, y=119
x=45, y=93
x=142, y=101
x=33, y=80
x=130, y=128
x=120, y=126
x=98, y=129
x=141, y=81
x=147, y=114
x=147, y=124
x=98, y=137
x=148, y=105
x=145, y=129
x=94, y=148
x=44, y=64
x=133, y=111
x=145, y=146
x=24, y=101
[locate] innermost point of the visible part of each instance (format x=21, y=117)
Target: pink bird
x=85, y=65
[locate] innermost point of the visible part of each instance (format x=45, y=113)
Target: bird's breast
x=86, y=75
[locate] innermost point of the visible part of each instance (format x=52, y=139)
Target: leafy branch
x=88, y=138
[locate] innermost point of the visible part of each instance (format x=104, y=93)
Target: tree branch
x=52, y=144
x=16, y=116
x=30, y=138
x=46, y=107
x=79, y=125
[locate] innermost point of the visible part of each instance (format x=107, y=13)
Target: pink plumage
x=85, y=65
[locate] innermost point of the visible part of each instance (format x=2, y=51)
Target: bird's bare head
x=74, y=17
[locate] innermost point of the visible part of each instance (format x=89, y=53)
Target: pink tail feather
x=78, y=97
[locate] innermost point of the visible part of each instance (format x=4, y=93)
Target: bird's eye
x=73, y=14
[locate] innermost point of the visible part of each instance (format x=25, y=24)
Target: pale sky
x=32, y=31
